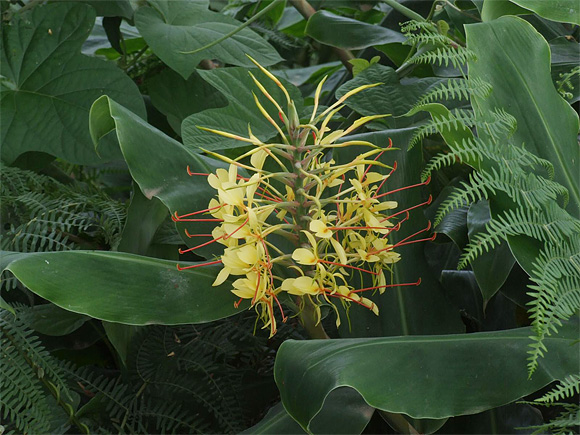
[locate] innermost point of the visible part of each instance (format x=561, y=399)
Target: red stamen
x=390, y=143
x=176, y=218
x=257, y=287
x=198, y=265
x=237, y=304
x=349, y=266
x=357, y=228
x=387, y=177
x=410, y=208
x=197, y=235
x=199, y=246
x=200, y=220
x=314, y=136
x=404, y=241
x=387, y=286
x=195, y=173
x=284, y=317
x=281, y=117
x=427, y=239
x=424, y=183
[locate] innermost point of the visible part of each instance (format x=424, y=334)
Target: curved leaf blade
x=347, y=33
x=406, y=375
x=125, y=288
x=547, y=124
x=48, y=86
x=159, y=165
x=173, y=28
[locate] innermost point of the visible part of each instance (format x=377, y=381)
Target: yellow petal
x=222, y=276
x=304, y=256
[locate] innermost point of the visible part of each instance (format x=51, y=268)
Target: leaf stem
x=306, y=10
x=236, y=30
x=404, y=10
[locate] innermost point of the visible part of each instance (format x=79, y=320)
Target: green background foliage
x=100, y=107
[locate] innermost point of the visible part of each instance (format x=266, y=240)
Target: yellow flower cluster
x=305, y=228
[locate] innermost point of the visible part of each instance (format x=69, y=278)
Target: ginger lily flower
x=337, y=229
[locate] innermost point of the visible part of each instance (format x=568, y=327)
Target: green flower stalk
x=337, y=217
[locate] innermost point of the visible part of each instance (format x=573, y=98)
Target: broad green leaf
x=173, y=28
x=476, y=371
x=48, y=319
x=120, y=337
x=48, y=86
x=178, y=98
x=347, y=33
x=125, y=288
x=237, y=87
x=547, y=125
x=408, y=310
x=491, y=268
x=508, y=419
x=567, y=11
x=158, y=164
x=493, y=9
x=144, y=217
x=392, y=97
x=343, y=412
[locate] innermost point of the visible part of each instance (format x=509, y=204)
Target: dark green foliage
x=41, y=214
x=503, y=169
x=36, y=395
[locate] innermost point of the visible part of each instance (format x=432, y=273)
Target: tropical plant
x=186, y=204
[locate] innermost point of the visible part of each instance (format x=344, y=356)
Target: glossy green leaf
x=178, y=98
x=493, y=9
x=392, y=97
x=48, y=87
x=144, y=217
x=173, y=28
x=125, y=288
x=492, y=267
x=237, y=87
x=407, y=375
x=343, y=412
x=567, y=11
x=158, y=164
x=547, y=125
x=48, y=319
x=347, y=33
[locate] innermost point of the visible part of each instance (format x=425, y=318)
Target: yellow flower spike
x=317, y=99
x=228, y=135
x=271, y=77
x=267, y=94
x=266, y=115
x=323, y=127
x=347, y=96
x=338, y=229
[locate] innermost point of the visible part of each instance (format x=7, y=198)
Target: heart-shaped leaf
x=48, y=86
x=174, y=28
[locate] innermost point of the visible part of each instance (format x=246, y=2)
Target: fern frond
x=32, y=381
x=555, y=292
x=549, y=225
x=456, y=89
x=566, y=389
x=443, y=56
